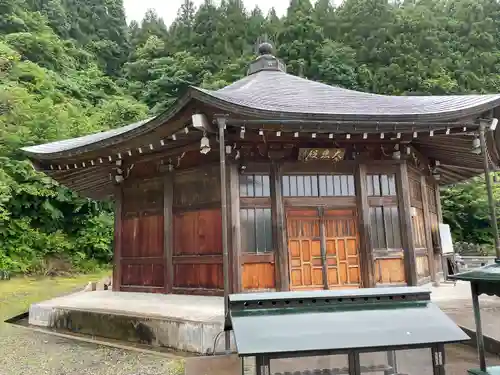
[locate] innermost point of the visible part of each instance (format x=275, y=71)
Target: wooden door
x=342, y=249
x=305, y=228
x=304, y=247
x=142, y=259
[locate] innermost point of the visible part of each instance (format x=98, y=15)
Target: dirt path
x=31, y=353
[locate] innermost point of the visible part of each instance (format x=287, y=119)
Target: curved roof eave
x=96, y=141
x=225, y=103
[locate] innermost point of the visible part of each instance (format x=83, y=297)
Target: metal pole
x=354, y=363
x=479, y=328
x=438, y=360
x=392, y=362
x=225, y=240
x=487, y=177
x=263, y=365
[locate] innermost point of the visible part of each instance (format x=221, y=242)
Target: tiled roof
x=278, y=92
x=275, y=94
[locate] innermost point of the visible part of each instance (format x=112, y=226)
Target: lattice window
x=385, y=228
x=256, y=230
x=318, y=186
x=381, y=185
x=254, y=185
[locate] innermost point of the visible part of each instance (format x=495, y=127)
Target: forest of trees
x=71, y=67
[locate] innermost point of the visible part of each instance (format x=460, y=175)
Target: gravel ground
x=33, y=353
x=25, y=352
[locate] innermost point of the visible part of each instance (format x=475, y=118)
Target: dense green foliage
x=70, y=67
x=53, y=86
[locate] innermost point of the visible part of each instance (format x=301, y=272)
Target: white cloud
x=167, y=9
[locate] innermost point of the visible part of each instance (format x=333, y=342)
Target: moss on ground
x=17, y=294
x=31, y=353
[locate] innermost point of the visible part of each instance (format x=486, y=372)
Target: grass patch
x=17, y=294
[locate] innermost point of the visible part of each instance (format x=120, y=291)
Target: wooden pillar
x=428, y=228
x=117, y=250
x=168, y=230
x=365, y=245
x=324, y=261
x=404, y=208
x=282, y=271
x=235, y=251
x=444, y=266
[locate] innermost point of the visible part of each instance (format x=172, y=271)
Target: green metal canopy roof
x=338, y=321
x=486, y=278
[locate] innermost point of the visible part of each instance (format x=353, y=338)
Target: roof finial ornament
x=266, y=60
x=265, y=48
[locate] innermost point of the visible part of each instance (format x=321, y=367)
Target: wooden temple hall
x=279, y=183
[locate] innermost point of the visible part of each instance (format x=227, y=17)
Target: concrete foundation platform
x=192, y=323
x=184, y=323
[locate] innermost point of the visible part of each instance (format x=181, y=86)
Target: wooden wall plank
x=197, y=188
x=258, y=276
x=390, y=271
x=142, y=263
x=197, y=255
x=198, y=232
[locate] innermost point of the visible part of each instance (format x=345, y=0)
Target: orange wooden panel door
x=304, y=247
x=342, y=249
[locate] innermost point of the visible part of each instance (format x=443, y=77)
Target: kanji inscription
x=328, y=154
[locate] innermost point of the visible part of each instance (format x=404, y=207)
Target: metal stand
x=354, y=364
x=438, y=360
x=262, y=365
x=392, y=362
x=479, y=328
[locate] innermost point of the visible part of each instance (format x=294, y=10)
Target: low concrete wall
x=475, y=261
x=184, y=335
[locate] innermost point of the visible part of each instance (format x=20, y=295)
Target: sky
x=167, y=9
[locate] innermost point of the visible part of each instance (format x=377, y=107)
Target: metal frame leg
x=354, y=364
x=391, y=361
x=479, y=327
x=262, y=365
x=438, y=360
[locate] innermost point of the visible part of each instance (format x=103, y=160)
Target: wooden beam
x=428, y=227
x=404, y=208
x=235, y=252
x=279, y=229
x=117, y=251
x=358, y=126
x=168, y=230
x=451, y=166
x=365, y=246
